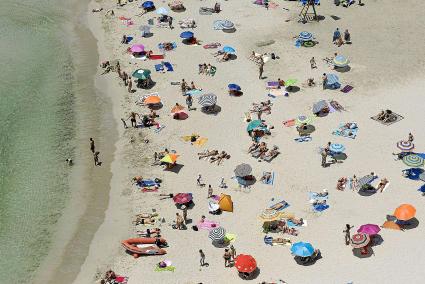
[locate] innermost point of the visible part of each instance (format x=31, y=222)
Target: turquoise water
x=36, y=131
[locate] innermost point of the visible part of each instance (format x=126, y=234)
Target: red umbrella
x=245, y=263
x=369, y=229
x=182, y=198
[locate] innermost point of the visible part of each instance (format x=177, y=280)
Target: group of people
x=207, y=69
x=338, y=38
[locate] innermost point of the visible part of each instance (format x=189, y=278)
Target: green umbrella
x=253, y=124
x=413, y=160
x=141, y=74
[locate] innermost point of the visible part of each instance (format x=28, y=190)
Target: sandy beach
x=385, y=69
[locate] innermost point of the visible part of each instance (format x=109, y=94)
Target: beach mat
x=156, y=56
x=398, y=118
x=347, y=89
x=271, y=181
x=283, y=202
x=320, y=207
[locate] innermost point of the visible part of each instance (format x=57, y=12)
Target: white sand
x=386, y=70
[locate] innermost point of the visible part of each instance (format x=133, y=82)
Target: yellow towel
x=200, y=141
x=230, y=237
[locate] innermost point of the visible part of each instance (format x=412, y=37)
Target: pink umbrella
x=182, y=198
x=137, y=48
x=369, y=229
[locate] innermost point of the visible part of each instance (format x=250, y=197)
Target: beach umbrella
x=245, y=263
x=161, y=11
x=177, y=108
x=152, y=100
x=303, y=119
x=228, y=49
x=217, y=234
x=207, y=100
x=302, y=249
x=369, y=229
x=225, y=202
x=269, y=215
x=186, y=35
x=137, y=48
x=290, y=82
x=332, y=79
x=305, y=36
x=360, y=240
x=182, y=198
x=227, y=25
x=320, y=106
x=234, y=87
x=405, y=146
x=254, y=124
x=341, y=61
x=141, y=74
x=148, y=4
x=413, y=160
x=170, y=158
x=391, y=225
x=337, y=148
x=405, y=212
x=365, y=180
x=243, y=170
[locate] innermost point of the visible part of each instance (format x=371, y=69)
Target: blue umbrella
x=229, y=49
x=254, y=124
x=186, y=35
x=147, y=4
x=234, y=87
x=337, y=148
x=302, y=249
x=305, y=36
x=161, y=11
x=332, y=79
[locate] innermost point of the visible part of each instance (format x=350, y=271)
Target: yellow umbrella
x=170, y=158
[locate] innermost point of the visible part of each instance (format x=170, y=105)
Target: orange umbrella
x=177, y=108
x=405, y=212
x=151, y=100
x=170, y=158
x=391, y=225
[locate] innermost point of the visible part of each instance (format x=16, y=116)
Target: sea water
x=36, y=131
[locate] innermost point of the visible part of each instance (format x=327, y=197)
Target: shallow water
x=36, y=131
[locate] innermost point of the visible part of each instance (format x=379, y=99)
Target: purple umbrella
x=369, y=229
x=137, y=48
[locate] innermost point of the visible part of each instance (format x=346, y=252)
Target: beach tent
x=332, y=82
x=226, y=203
x=170, y=158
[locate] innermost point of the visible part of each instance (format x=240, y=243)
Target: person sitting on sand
x=192, y=86
x=382, y=184
x=179, y=221
x=410, y=138
x=207, y=154
x=253, y=146
x=263, y=150
x=97, y=10
x=281, y=83
x=310, y=82
x=340, y=185
x=316, y=202
x=148, y=233
x=289, y=231
x=144, y=221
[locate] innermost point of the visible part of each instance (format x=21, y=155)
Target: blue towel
x=168, y=66
x=159, y=67
x=271, y=180
x=314, y=195
x=290, y=224
x=129, y=38
x=320, y=207
x=422, y=155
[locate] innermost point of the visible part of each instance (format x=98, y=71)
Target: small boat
x=145, y=246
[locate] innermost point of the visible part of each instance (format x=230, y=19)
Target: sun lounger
x=269, y=158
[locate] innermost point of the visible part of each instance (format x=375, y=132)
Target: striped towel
x=367, y=179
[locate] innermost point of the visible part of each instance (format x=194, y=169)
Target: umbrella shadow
x=232, y=57
x=307, y=261
x=367, y=192
x=411, y=224
x=146, y=87
x=357, y=252
x=376, y=240
x=229, y=31
x=293, y=89
x=175, y=169
x=251, y=276
x=188, y=205
x=156, y=106
x=148, y=35
x=342, y=69
x=220, y=244
x=211, y=109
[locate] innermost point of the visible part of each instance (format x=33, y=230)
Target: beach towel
x=277, y=205
x=129, y=38
x=168, y=66
x=397, y=118
x=343, y=131
x=200, y=141
x=289, y=123
x=159, y=67
x=367, y=179
x=167, y=268
x=156, y=56
x=347, y=89
x=316, y=196
x=320, y=207
x=271, y=180
x=148, y=183
x=274, y=93
x=121, y=279
x=149, y=189
x=290, y=224
x=303, y=139
x=208, y=225
x=194, y=92
x=272, y=85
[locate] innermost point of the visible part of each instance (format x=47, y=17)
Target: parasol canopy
x=217, y=234
x=234, y=87
x=413, y=160
x=152, y=100
x=243, y=170
x=177, y=108
x=340, y=61
x=305, y=36
x=270, y=215
x=162, y=11
x=186, y=35
x=148, y=4
x=182, y=198
x=369, y=229
x=253, y=125
x=337, y=148
x=228, y=49
x=137, y=48
x=405, y=212
x=245, y=263
x=360, y=240
x=141, y=74
x=207, y=100
x=302, y=249
x=170, y=158
x=405, y=146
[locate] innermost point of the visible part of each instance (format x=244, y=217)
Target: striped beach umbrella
x=405, y=146
x=217, y=234
x=269, y=215
x=360, y=240
x=341, y=61
x=413, y=160
x=337, y=148
x=365, y=180
x=207, y=100
x=303, y=119
x=305, y=36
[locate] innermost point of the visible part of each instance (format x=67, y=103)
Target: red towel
x=289, y=123
x=146, y=189
x=156, y=56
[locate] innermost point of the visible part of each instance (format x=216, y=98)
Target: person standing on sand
x=92, y=147
x=227, y=256
x=189, y=102
x=96, y=158
x=313, y=63
x=347, y=233
x=210, y=191
x=324, y=80
x=170, y=22
x=202, y=260
x=233, y=251
x=130, y=85
x=324, y=156
x=133, y=119
x=411, y=138
x=199, y=180
x=261, y=70
x=124, y=78
x=184, y=209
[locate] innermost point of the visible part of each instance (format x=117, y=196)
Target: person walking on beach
x=132, y=118
x=227, y=256
x=313, y=63
x=124, y=123
x=324, y=156
x=189, y=102
x=324, y=80
x=184, y=209
x=124, y=78
x=337, y=34
x=92, y=147
x=202, y=260
x=130, y=85
x=210, y=191
x=170, y=22
x=96, y=158
x=199, y=180
x=261, y=70
x=347, y=233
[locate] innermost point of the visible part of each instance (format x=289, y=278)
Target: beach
x=385, y=69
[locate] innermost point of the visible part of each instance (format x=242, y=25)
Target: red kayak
x=145, y=246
